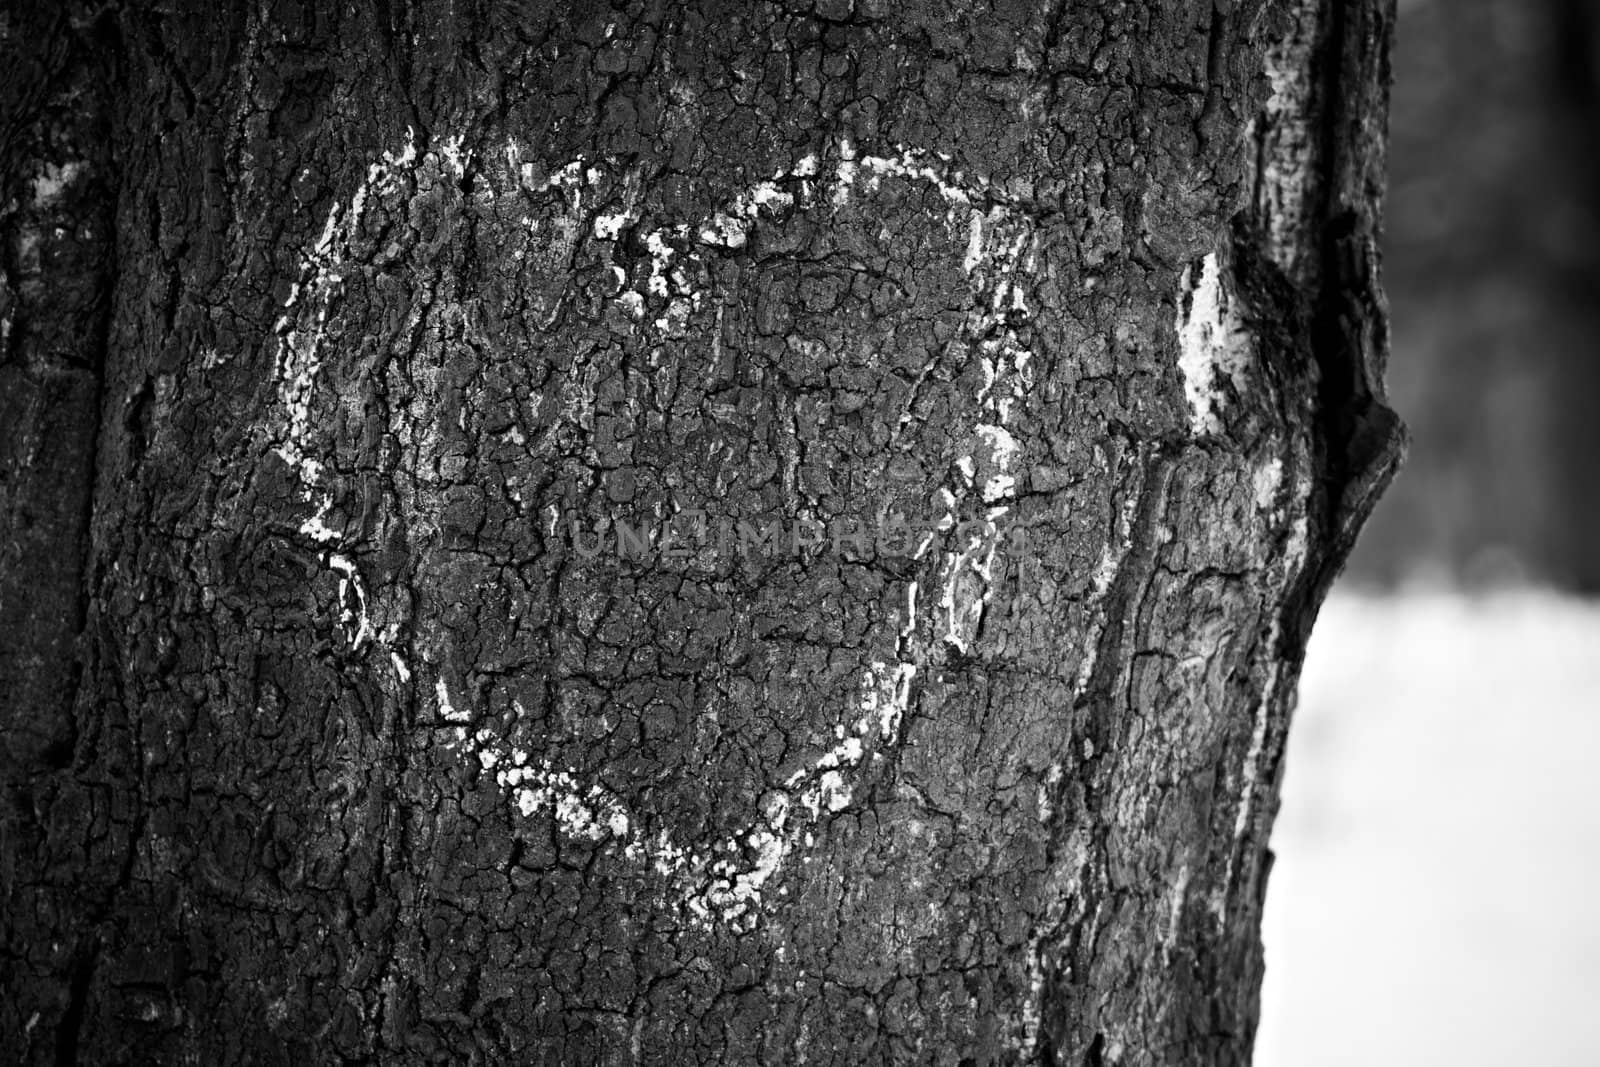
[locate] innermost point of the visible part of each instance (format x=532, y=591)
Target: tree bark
x=346, y=740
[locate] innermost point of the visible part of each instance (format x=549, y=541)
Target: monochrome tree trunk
x=452, y=454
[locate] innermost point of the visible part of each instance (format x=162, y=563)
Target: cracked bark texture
x=327, y=326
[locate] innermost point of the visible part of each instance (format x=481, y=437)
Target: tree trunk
x=489, y=638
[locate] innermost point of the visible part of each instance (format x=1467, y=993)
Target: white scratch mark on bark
x=588, y=812
x=974, y=254
x=1001, y=453
x=964, y=581
x=731, y=228
x=1180, y=892
x=358, y=628
x=446, y=709
x=728, y=883
x=1105, y=572
x=300, y=326
x=53, y=180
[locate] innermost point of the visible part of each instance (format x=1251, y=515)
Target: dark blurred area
x=1493, y=271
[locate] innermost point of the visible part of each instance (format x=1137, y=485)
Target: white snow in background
x=1213, y=347
x=1433, y=898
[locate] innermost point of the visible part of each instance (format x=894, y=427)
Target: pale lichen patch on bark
x=53, y=180
x=1268, y=482
x=999, y=461
x=1285, y=141
x=1214, y=347
x=731, y=228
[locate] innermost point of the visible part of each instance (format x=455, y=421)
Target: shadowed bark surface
x=364, y=746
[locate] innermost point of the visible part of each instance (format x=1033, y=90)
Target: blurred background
x=1434, y=897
